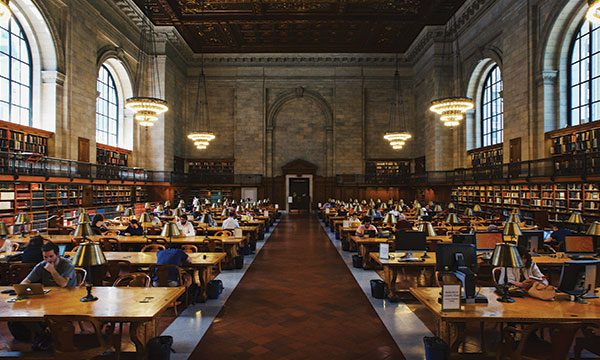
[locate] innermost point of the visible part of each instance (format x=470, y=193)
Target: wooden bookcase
x=570, y=145
x=488, y=156
x=110, y=155
x=212, y=167
x=385, y=169
x=141, y=194
x=112, y=194
x=20, y=138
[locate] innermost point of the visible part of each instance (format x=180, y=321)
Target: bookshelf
x=213, y=167
x=488, y=156
x=212, y=194
x=110, y=155
x=112, y=194
x=141, y=194
x=572, y=146
x=20, y=138
x=385, y=169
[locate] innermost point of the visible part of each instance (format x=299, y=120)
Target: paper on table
x=451, y=297
x=384, y=251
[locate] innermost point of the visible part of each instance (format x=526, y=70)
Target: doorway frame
x=287, y=189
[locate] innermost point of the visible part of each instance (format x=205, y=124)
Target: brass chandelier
x=147, y=109
x=201, y=138
x=397, y=139
x=593, y=13
x=4, y=9
x=452, y=109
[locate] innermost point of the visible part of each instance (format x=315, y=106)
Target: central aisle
x=297, y=301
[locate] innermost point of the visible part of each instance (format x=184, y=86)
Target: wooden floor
x=297, y=301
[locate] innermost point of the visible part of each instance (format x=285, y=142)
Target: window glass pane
x=584, y=75
x=492, y=108
x=107, y=114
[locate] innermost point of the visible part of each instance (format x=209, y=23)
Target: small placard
x=290, y=199
x=451, y=297
x=347, y=223
x=238, y=233
x=266, y=213
x=326, y=210
x=276, y=206
x=384, y=251
x=320, y=205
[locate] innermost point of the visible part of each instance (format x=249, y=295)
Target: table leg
x=204, y=277
x=389, y=277
x=453, y=333
x=140, y=333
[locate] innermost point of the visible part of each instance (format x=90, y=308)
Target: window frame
x=112, y=86
x=10, y=67
x=493, y=116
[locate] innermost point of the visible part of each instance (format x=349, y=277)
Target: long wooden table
x=137, y=306
x=450, y=325
x=394, y=266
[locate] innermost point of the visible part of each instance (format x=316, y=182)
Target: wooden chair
x=110, y=244
x=519, y=344
x=80, y=276
x=19, y=271
x=589, y=342
x=213, y=245
x=189, y=248
x=153, y=248
x=137, y=279
x=70, y=345
x=114, y=268
x=224, y=233
x=161, y=241
x=161, y=278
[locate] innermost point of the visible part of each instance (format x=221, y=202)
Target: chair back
x=223, y=233
x=161, y=241
x=110, y=244
x=189, y=248
x=153, y=248
x=137, y=279
x=213, y=245
x=163, y=274
x=80, y=276
x=14, y=246
x=114, y=268
x=19, y=271
x=63, y=333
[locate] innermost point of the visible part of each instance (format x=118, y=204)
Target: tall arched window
x=15, y=73
x=107, y=109
x=492, y=109
x=584, y=75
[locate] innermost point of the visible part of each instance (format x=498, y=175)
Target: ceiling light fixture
x=4, y=9
x=202, y=138
x=593, y=13
x=398, y=138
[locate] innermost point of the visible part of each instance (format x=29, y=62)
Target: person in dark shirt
x=32, y=254
x=557, y=238
x=133, y=228
x=98, y=225
x=172, y=256
x=342, y=212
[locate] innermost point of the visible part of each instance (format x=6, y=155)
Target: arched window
x=492, y=109
x=107, y=109
x=584, y=75
x=15, y=73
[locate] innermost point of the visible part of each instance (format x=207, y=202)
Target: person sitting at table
x=342, y=211
x=492, y=228
x=54, y=270
x=354, y=219
x=366, y=225
x=394, y=211
x=155, y=220
x=98, y=226
x=231, y=222
x=377, y=215
x=185, y=227
x=32, y=254
x=134, y=228
x=557, y=238
x=171, y=256
x=522, y=277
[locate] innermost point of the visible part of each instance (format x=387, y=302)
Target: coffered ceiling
x=332, y=26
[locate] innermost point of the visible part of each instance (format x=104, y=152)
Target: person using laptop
x=557, y=238
x=231, y=222
x=54, y=270
x=32, y=254
x=522, y=277
x=98, y=226
x=186, y=227
x=366, y=226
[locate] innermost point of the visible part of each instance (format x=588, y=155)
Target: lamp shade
x=206, y=219
x=4, y=9
x=477, y=208
x=181, y=204
x=593, y=230
x=390, y=202
x=84, y=217
x=468, y=212
x=516, y=211
x=129, y=212
x=89, y=254
x=390, y=219
x=427, y=228
x=144, y=218
x=451, y=206
x=506, y=255
x=371, y=213
x=514, y=218
x=167, y=203
x=512, y=229
x=21, y=219
x=179, y=212
x=3, y=229
x=213, y=206
x=170, y=230
x=120, y=208
x=160, y=208
x=364, y=202
x=384, y=206
x=575, y=218
x=437, y=208
x=147, y=205
x=238, y=209
x=83, y=230
x=453, y=219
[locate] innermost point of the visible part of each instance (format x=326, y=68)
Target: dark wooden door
x=83, y=156
x=300, y=194
x=514, y=165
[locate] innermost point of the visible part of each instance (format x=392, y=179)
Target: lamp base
x=506, y=299
x=88, y=298
x=425, y=256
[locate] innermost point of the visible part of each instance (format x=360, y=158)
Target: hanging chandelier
x=146, y=109
x=593, y=13
x=397, y=139
x=4, y=9
x=202, y=138
x=452, y=109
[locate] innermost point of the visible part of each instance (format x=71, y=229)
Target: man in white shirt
x=186, y=227
x=231, y=222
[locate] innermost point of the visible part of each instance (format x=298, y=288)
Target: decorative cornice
x=306, y=59
x=424, y=40
x=548, y=77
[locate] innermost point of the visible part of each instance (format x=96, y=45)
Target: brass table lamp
x=88, y=255
x=507, y=256
x=170, y=230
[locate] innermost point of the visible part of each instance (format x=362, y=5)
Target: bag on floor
x=245, y=250
x=214, y=289
x=239, y=262
x=435, y=348
x=378, y=289
x=159, y=348
x=20, y=331
x=345, y=245
x=357, y=261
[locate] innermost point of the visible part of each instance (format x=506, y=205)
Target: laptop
x=577, y=246
x=24, y=290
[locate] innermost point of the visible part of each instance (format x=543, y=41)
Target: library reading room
x=300, y=179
